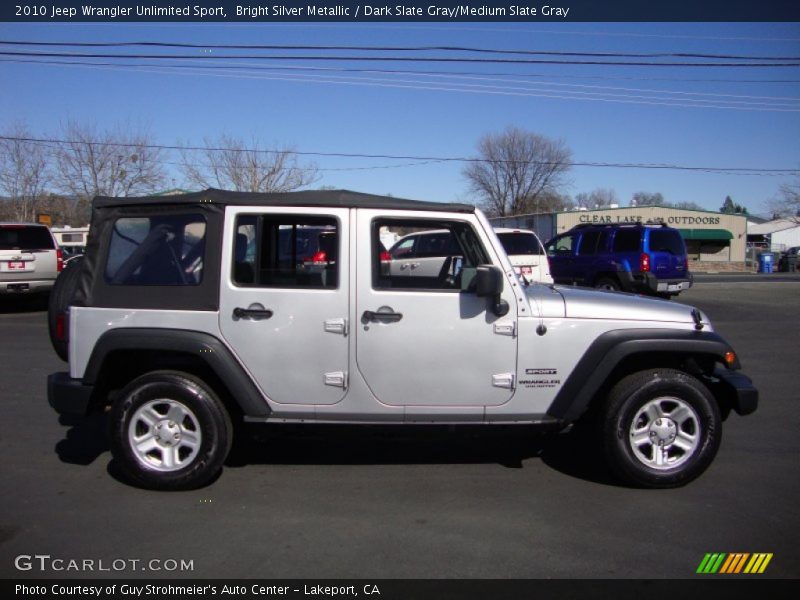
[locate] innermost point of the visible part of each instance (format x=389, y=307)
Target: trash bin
x=765, y=261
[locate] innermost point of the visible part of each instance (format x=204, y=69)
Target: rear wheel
x=170, y=431
x=661, y=428
x=607, y=283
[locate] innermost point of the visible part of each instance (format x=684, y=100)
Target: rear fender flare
x=205, y=347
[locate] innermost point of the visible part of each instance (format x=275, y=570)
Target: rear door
x=585, y=261
x=284, y=313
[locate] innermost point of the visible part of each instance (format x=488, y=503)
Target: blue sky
x=398, y=114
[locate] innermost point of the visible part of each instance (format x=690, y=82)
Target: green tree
x=728, y=206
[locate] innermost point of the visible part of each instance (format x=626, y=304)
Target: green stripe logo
x=734, y=563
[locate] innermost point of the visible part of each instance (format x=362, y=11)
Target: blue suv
x=645, y=259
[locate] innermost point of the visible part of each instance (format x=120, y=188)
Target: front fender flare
x=612, y=347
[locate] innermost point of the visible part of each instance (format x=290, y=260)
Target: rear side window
x=286, y=251
x=667, y=240
x=589, y=243
x=157, y=250
x=25, y=237
x=520, y=243
x=627, y=240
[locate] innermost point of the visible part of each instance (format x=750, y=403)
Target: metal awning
x=706, y=234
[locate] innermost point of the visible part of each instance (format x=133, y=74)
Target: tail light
x=685, y=263
x=644, y=262
x=61, y=327
x=59, y=260
x=385, y=256
x=320, y=257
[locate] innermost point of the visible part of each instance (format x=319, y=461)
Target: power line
x=398, y=49
x=412, y=72
x=527, y=31
x=421, y=59
x=747, y=170
x=459, y=87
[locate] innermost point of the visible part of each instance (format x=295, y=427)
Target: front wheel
x=661, y=428
x=169, y=431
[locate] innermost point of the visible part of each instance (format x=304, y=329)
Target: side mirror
x=488, y=281
x=489, y=284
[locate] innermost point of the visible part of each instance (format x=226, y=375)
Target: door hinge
x=506, y=328
x=504, y=380
x=336, y=379
x=336, y=326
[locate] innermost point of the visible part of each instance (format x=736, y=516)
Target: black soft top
x=94, y=290
x=310, y=198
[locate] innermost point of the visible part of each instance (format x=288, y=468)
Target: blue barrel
x=765, y=262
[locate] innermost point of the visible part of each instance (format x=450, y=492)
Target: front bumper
x=735, y=390
x=68, y=396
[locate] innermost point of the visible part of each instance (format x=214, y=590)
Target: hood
x=587, y=303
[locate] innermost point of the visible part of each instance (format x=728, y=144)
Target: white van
x=71, y=240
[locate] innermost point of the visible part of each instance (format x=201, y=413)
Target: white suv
x=526, y=253
x=29, y=258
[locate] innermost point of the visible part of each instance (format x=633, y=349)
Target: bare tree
x=514, y=168
x=686, y=205
x=24, y=172
x=787, y=204
x=228, y=163
x=647, y=199
x=549, y=202
x=118, y=162
x=597, y=198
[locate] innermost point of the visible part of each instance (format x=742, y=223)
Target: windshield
x=519, y=242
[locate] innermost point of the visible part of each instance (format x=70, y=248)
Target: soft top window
x=157, y=250
x=25, y=237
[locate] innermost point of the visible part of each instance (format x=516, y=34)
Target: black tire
x=60, y=298
x=681, y=429
x=607, y=283
x=156, y=406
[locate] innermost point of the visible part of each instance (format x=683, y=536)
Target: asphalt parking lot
x=445, y=504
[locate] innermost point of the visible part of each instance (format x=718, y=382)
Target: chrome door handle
x=251, y=313
x=381, y=317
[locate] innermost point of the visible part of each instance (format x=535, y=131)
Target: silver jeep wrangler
x=191, y=313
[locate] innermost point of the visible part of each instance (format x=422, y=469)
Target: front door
x=420, y=339
x=284, y=303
